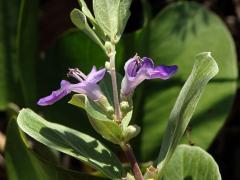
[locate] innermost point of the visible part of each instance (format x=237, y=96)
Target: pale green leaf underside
x=109, y=129
x=106, y=13
x=112, y=15
x=80, y=20
x=71, y=142
x=205, y=68
x=25, y=160
x=123, y=15
x=191, y=162
x=126, y=120
x=85, y=10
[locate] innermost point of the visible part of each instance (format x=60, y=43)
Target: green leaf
x=89, y=15
x=71, y=142
x=112, y=16
x=80, y=20
x=126, y=120
x=175, y=35
x=191, y=162
x=205, y=68
x=8, y=25
x=108, y=128
x=86, y=11
x=24, y=164
x=123, y=15
x=27, y=49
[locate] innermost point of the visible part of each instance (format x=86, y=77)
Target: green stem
x=114, y=85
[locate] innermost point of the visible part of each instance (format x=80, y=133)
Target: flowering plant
x=111, y=116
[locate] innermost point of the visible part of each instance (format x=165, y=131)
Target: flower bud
x=107, y=65
x=131, y=132
x=151, y=172
x=108, y=47
x=124, y=106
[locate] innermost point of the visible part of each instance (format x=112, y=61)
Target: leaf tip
x=207, y=57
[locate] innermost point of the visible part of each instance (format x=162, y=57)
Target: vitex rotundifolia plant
x=111, y=117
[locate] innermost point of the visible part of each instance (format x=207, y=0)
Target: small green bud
x=109, y=47
x=124, y=106
x=151, y=172
x=131, y=132
x=116, y=39
x=110, y=110
x=107, y=65
x=129, y=177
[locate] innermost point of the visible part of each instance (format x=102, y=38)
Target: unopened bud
x=107, y=65
x=151, y=172
x=129, y=177
x=124, y=106
x=110, y=110
x=108, y=47
x=131, y=132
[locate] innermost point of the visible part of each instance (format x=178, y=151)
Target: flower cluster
x=136, y=71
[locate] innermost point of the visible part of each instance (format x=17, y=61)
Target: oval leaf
x=176, y=35
x=191, y=162
x=112, y=15
x=69, y=141
x=80, y=20
x=85, y=10
x=25, y=160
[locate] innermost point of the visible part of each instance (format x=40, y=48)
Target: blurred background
x=38, y=43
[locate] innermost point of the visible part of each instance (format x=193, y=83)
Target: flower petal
x=137, y=70
x=163, y=72
x=55, y=95
x=131, y=67
x=147, y=63
x=90, y=89
x=95, y=76
x=94, y=70
x=65, y=84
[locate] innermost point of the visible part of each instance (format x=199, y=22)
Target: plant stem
x=114, y=85
x=132, y=160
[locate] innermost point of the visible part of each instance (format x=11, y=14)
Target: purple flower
x=87, y=85
x=137, y=70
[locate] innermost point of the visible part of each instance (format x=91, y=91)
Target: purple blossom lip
x=87, y=85
x=138, y=69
